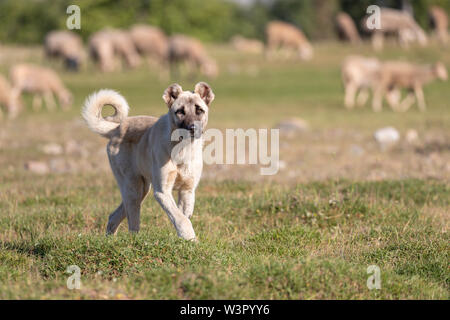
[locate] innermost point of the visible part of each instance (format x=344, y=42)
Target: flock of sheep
x=386, y=79
x=110, y=49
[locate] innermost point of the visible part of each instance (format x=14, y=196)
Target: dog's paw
x=185, y=230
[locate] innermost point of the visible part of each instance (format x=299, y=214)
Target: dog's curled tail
x=92, y=111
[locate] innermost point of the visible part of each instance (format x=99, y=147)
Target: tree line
x=27, y=21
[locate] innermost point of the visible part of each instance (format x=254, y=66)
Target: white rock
x=37, y=167
x=387, y=137
x=53, y=149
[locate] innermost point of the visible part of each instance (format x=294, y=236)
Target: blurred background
x=360, y=180
x=28, y=21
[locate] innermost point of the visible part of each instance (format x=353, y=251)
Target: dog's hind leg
x=133, y=193
x=115, y=219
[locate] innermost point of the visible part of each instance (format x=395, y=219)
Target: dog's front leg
x=186, y=201
x=181, y=223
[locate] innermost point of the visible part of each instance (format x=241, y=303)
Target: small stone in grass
x=38, y=167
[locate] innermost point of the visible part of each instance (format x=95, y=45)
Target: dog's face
x=189, y=110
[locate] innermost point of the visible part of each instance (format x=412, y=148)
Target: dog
x=144, y=151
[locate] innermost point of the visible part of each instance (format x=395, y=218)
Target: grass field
x=309, y=232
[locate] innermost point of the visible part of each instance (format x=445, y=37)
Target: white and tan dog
x=141, y=152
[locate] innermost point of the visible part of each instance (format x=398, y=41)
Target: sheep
x=101, y=50
x=439, y=22
x=359, y=74
x=347, y=29
x=150, y=42
x=41, y=82
x=66, y=45
x=107, y=44
x=245, y=45
x=285, y=35
x=400, y=24
x=404, y=75
x=9, y=99
x=191, y=51
x=124, y=47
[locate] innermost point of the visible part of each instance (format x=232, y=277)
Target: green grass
x=266, y=240
x=280, y=243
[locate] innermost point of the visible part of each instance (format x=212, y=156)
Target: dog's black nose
x=192, y=127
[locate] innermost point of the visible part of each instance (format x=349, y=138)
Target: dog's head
x=189, y=110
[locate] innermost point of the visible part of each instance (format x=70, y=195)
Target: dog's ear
x=205, y=92
x=171, y=94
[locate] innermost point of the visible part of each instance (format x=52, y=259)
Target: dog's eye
x=198, y=110
x=180, y=111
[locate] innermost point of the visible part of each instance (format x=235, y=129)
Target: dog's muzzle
x=195, y=130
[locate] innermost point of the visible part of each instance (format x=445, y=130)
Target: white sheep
x=287, y=36
x=42, y=82
x=9, y=99
x=403, y=75
x=66, y=45
x=184, y=49
x=150, y=42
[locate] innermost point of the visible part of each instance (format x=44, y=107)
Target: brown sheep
x=9, y=99
x=41, y=82
x=439, y=22
x=347, y=29
x=101, y=50
x=245, y=45
x=403, y=75
x=183, y=49
x=359, y=74
x=106, y=45
x=285, y=35
x=150, y=42
x=124, y=47
x=66, y=45
x=400, y=24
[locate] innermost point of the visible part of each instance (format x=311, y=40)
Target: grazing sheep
x=66, y=45
x=124, y=47
x=41, y=82
x=150, y=42
x=191, y=51
x=403, y=75
x=400, y=24
x=439, y=22
x=359, y=74
x=101, y=50
x=245, y=45
x=285, y=35
x=106, y=45
x=9, y=99
x=347, y=29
